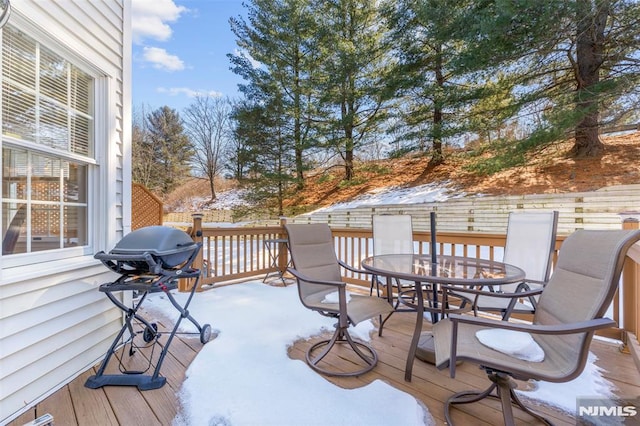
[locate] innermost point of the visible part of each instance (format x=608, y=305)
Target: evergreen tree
x=432, y=92
x=249, y=135
x=262, y=129
x=277, y=36
x=574, y=60
x=171, y=149
x=143, y=168
x=353, y=59
x=238, y=151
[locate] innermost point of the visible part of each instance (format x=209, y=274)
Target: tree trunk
x=299, y=169
x=347, y=116
x=297, y=133
x=437, y=157
x=348, y=165
x=212, y=187
x=589, y=53
x=280, y=189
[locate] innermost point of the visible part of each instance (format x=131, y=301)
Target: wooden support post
x=283, y=257
x=196, y=234
x=631, y=295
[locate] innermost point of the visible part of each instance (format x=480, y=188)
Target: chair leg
x=376, y=281
x=519, y=403
x=383, y=321
x=342, y=336
x=504, y=391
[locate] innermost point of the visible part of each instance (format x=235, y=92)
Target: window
x=47, y=147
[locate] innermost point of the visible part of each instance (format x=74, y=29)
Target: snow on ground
x=400, y=195
x=389, y=195
x=225, y=200
x=246, y=377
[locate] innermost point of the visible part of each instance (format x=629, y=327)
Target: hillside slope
x=548, y=170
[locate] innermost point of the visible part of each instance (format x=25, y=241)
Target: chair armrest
x=343, y=317
x=524, y=293
x=353, y=269
x=524, y=285
x=527, y=281
x=305, y=278
x=556, y=329
x=569, y=328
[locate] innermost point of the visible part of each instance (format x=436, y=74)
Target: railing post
x=630, y=277
x=196, y=235
x=283, y=252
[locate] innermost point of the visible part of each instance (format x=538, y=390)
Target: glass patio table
x=449, y=270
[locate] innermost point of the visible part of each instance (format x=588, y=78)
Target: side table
x=274, y=248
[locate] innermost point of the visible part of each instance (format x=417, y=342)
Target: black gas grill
x=148, y=260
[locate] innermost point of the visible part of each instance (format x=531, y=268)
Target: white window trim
x=99, y=171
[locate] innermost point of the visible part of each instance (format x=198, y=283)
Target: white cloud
x=191, y=93
x=150, y=19
x=160, y=59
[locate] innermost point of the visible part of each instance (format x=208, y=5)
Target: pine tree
x=431, y=91
x=353, y=59
x=143, y=168
x=277, y=35
x=572, y=60
x=262, y=130
x=171, y=149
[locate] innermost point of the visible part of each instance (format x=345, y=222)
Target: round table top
x=446, y=270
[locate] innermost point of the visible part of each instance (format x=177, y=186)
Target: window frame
x=96, y=149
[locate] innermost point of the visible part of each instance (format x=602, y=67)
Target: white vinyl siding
x=54, y=323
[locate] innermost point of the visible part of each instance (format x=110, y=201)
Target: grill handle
x=109, y=259
x=146, y=257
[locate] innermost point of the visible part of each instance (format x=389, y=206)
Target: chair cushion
x=517, y=344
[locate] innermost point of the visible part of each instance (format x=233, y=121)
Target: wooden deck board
x=91, y=406
x=124, y=405
x=59, y=405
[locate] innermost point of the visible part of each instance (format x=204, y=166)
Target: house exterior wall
x=54, y=323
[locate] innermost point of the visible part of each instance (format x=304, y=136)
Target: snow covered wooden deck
x=111, y=405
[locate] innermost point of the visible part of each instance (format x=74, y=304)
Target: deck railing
x=231, y=254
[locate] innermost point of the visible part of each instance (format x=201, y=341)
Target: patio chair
x=571, y=307
x=321, y=289
x=530, y=244
x=393, y=234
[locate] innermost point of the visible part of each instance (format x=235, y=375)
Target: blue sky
x=179, y=50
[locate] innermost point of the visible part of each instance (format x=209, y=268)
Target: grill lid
x=170, y=245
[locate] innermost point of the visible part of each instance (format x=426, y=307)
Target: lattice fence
x=602, y=209
x=146, y=208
